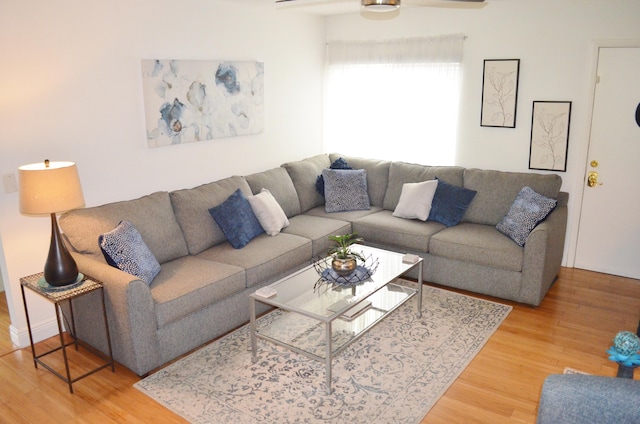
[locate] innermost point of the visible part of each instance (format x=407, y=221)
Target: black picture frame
x=550, y=125
x=500, y=79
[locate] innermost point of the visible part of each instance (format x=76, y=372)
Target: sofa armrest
x=543, y=252
x=130, y=312
x=585, y=399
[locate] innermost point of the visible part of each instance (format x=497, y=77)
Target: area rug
x=395, y=373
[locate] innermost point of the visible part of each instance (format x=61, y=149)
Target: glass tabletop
x=305, y=293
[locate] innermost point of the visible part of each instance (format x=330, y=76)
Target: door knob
x=592, y=179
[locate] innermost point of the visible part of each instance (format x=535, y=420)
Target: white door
x=609, y=229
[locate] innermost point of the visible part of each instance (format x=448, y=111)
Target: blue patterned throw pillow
x=525, y=213
x=337, y=164
x=345, y=190
x=237, y=220
x=124, y=248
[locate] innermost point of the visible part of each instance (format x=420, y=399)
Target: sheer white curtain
x=394, y=100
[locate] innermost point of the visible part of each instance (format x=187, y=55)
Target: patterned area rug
x=394, y=373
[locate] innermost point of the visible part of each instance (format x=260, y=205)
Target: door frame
x=579, y=181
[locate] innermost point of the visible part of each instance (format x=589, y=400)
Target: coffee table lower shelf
x=323, y=338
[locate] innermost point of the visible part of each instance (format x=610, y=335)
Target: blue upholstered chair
x=585, y=399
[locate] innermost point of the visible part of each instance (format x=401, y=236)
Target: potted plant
x=344, y=261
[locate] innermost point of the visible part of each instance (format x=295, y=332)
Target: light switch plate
x=10, y=183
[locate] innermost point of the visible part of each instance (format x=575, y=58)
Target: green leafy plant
x=342, y=250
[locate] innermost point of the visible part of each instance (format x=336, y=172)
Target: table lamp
x=49, y=188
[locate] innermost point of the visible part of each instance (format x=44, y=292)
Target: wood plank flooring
x=6, y=346
x=572, y=328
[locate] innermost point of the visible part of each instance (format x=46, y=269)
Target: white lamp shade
x=49, y=187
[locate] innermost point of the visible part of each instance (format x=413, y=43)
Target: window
x=394, y=100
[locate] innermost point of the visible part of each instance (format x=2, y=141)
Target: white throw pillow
x=269, y=212
x=415, y=200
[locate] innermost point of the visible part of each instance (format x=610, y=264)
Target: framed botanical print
x=499, y=93
x=550, y=135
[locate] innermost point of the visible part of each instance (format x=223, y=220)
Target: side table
x=60, y=295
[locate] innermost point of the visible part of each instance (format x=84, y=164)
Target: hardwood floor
x=572, y=328
x=6, y=346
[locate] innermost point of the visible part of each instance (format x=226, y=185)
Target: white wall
x=70, y=84
x=553, y=40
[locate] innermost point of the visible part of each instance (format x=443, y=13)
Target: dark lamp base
x=60, y=268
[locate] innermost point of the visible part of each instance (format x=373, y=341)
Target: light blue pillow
x=237, y=220
x=450, y=203
x=345, y=190
x=124, y=248
x=525, y=213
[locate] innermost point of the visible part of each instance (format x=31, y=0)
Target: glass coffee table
x=319, y=320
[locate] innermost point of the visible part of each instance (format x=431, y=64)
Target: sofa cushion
x=525, y=213
x=382, y=228
x=265, y=257
x=278, y=182
x=151, y=215
x=401, y=173
x=450, y=203
x=415, y=200
x=124, y=248
x=303, y=174
x=188, y=284
x=317, y=229
x=348, y=216
x=269, y=213
x=345, y=190
x=377, y=175
x=497, y=190
x=477, y=243
x=236, y=219
x=192, y=206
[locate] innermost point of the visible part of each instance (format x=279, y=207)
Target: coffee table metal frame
x=326, y=304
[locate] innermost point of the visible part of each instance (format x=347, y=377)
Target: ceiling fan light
x=380, y=5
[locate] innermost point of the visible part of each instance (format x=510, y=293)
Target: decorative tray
x=362, y=273
x=42, y=283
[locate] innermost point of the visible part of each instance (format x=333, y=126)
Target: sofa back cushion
x=496, y=191
x=279, y=184
x=304, y=173
x=377, y=175
x=192, y=206
x=402, y=172
x=151, y=215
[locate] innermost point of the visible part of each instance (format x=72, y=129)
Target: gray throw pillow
x=525, y=213
x=345, y=190
x=124, y=248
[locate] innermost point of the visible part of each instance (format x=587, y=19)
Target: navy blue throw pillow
x=237, y=220
x=450, y=203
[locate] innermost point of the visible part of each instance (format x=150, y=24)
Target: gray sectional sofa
x=203, y=286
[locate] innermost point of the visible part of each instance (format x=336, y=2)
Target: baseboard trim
x=40, y=332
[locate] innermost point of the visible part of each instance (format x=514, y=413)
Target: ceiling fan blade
x=331, y=7
x=452, y=4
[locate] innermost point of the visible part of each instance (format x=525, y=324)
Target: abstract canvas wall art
x=196, y=100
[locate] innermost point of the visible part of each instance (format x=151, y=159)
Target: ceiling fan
x=336, y=6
